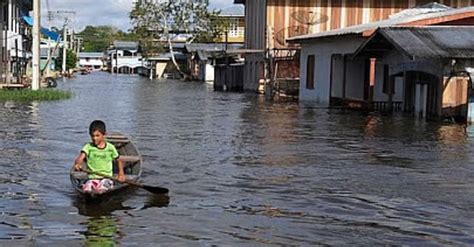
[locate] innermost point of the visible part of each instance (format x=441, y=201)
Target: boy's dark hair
x=97, y=125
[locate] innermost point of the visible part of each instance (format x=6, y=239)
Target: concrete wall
x=209, y=73
x=3, y=64
x=132, y=62
x=14, y=35
x=91, y=62
x=323, y=51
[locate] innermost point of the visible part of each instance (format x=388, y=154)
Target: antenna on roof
x=307, y=18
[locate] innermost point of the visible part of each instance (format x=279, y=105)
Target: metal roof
x=394, y=21
x=125, y=45
x=419, y=10
x=193, y=47
x=237, y=11
x=167, y=56
x=91, y=55
x=428, y=41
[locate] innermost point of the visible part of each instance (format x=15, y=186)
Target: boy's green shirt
x=100, y=159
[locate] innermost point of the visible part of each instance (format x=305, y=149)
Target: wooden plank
x=119, y=141
x=324, y=12
x=12, y=86
x=359, y=12
x=336, y=14
x=387, y=10
x=375, y=13
x=116, y=136
x=129, y=158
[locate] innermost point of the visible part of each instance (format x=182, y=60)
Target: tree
x=165, y=20
x=71, y=59
x=99, y=38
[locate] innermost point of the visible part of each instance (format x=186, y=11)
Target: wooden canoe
x=132, y=162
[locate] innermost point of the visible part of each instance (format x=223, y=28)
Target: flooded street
x=241, y=171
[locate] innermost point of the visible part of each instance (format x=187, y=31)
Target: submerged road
x=241, y=170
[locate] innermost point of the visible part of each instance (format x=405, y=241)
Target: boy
x=99, y=155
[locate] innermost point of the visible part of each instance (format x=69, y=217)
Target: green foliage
x=217, y=28
x=27, y=95
x=166, y=19
x=71, y=59
x=99, y=38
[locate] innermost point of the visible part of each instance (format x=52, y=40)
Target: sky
x=98, y=12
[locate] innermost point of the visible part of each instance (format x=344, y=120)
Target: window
x=234, y=28
x=310, y=72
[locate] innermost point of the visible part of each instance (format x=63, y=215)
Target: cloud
x=98, y=12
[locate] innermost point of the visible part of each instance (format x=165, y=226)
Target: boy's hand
x=77, y=167
x=121, y=178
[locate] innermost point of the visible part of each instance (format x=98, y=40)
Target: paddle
x=152, y=189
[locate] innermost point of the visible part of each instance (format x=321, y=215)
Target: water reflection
x=107, y=206
x=102, y=232
x=156, y=201
x=103, y=226
x=100, y=208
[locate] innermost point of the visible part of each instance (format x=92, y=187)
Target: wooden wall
x=334, y=14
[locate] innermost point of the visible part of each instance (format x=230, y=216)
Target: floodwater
x=241, y=171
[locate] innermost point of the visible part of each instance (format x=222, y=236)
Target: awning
x=53, y=35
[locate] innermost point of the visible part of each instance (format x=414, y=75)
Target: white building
x=93, y=60
x=124, y=57
x=15, y=48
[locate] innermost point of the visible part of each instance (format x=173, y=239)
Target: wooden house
x=269, y=23
x=418, y=60
x=235, y=18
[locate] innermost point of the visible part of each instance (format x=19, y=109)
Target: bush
x=27, y=95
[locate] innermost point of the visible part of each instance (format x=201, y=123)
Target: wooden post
x=344, y=77
x=391, y=82
x=372, y=80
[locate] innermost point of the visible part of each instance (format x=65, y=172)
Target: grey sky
x=99, y=12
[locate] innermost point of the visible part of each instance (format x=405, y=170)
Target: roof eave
x=296, y=40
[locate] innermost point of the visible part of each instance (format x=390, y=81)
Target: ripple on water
x=241, y=170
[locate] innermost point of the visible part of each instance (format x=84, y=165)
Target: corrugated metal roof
x=237, y=11
x=430, y=41
x=125, y=45
x=419, y=10
x=358, y=29
x=167, y=56
x=211, y=47
x=91, y=55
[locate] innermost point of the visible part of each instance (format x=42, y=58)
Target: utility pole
x=64, y=13
x=64, y=49
x=50, y=18
x=35, y=84
x=116, y=61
